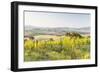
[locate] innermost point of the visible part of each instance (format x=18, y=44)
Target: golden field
x=53, y=47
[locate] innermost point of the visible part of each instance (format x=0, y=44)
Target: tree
x=73, y=34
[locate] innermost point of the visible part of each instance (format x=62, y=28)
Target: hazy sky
x=49, y=19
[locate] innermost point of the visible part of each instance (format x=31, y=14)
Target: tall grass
x=65, y=48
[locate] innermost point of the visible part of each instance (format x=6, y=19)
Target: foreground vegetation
x=64, y=48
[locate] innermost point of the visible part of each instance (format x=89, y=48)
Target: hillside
x=55, y=31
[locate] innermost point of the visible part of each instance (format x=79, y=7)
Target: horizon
x=54, y=27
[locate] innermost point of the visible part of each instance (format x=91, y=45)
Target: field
x=54, y=47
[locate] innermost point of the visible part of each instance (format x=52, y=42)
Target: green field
x=56, y=48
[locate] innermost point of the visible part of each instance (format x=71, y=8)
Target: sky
x=56, y=19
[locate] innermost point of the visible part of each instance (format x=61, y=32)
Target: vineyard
x=61, y=48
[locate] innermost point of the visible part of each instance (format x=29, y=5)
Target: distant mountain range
x=56, y=30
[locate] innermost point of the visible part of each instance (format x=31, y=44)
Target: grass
x=61, y=48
